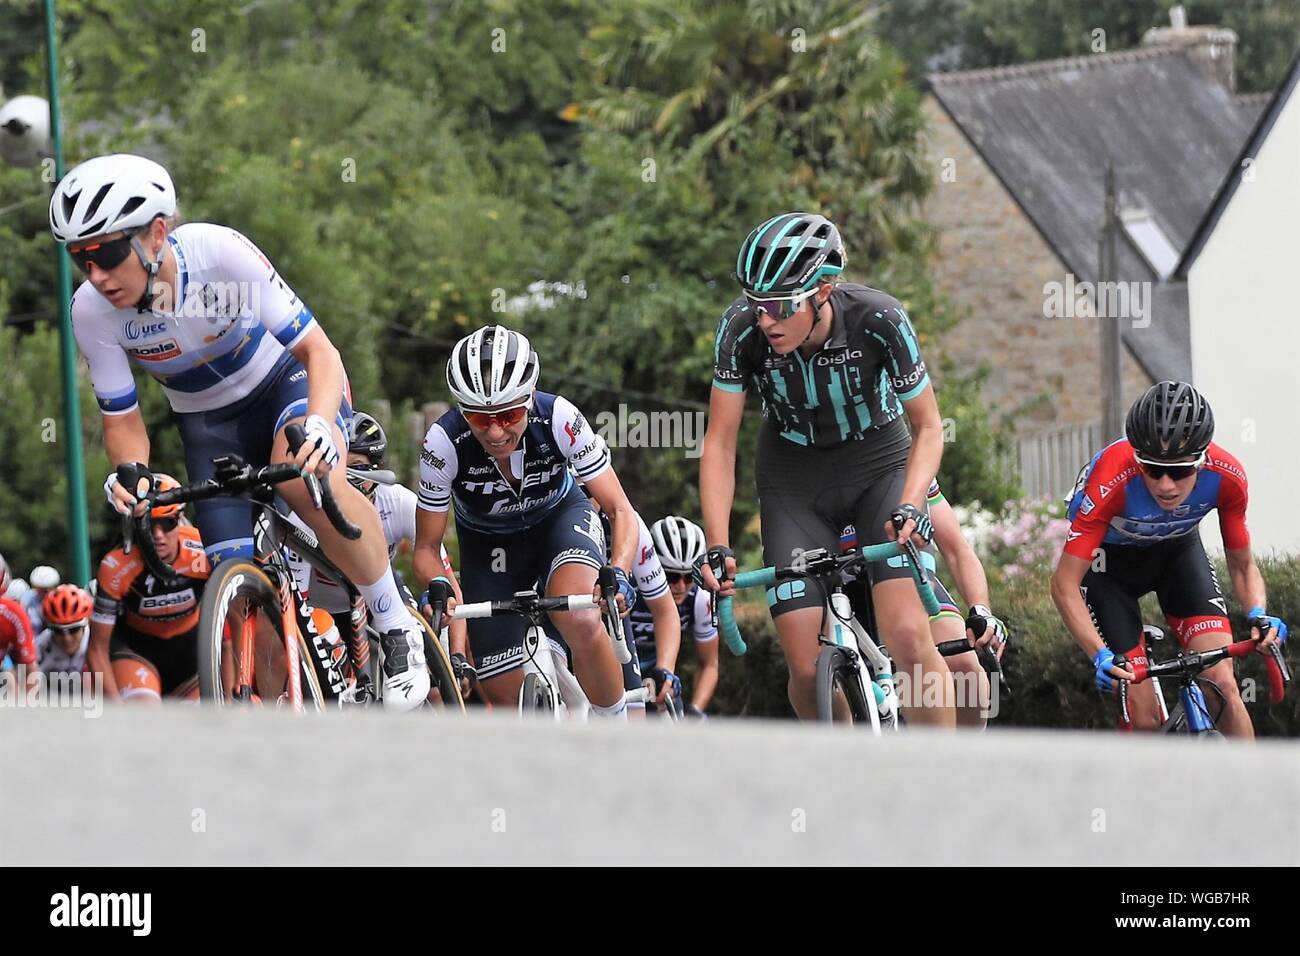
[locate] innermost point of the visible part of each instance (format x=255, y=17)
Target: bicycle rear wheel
x=837, y=671
x=243, y=649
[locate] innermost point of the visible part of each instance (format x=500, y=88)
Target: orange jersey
x=128, y=592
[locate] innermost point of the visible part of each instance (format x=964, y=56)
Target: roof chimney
x=1210, y=48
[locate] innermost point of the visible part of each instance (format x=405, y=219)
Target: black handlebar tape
x=951, y=648
x=296, y=435
x=439, y=591
x=608, y=583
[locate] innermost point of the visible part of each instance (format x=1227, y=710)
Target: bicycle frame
x=543, y=658
x=875, y=670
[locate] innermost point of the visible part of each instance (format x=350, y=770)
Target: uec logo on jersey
x=135, y=330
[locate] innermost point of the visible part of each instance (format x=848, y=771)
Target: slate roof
x=1048, y=129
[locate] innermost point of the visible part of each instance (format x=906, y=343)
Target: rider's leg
x=1193, y=603
x=137, y=681
x=924, y=681
x=970, y=682
x=594, y=664
x=1112, y=592
x=797, y=630
x=575, y=548
x=503, y=689
x=922, y=677
x=365, y=562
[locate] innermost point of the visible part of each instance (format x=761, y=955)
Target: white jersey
x=647, y=573
x=53, y=660
x=234, y=320
x=396, y=507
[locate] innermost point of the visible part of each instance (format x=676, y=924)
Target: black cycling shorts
x=1178, y=571
x=807, y=494
x=176, y=659
x=493, y=567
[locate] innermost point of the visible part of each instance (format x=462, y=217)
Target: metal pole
x=1112, y=411
x=78, y=525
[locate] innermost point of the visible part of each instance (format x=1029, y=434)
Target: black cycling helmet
x=1171, y=421
x=366, y=437
x=789, y=254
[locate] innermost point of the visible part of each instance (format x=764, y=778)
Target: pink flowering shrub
x=1029, y=537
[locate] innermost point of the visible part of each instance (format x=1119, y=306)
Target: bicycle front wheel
x=441, y=676
x=534, y=696
x=243, y=650
x=837, y=676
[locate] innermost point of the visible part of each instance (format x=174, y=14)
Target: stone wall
x=994, y=265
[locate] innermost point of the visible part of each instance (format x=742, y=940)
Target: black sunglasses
x=675, y=577
x=1155, y=470
x=1176, y=472
x=107, y=255
x=166, y=525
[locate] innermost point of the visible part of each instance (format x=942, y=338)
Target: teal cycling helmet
x=789, y=254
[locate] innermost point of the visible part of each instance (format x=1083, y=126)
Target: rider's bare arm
x=1069, y=601
x=927, y=445
x=430, y=528
x=718, y=464
x=97, y=659
x=325, y=376
x=668, y=630
x=706, y=681
x=958, y=554
x=608, y=491
x=1247, y=582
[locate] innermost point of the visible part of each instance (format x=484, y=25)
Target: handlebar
x=232, y=477
x=819, y=563
x=1190, y=665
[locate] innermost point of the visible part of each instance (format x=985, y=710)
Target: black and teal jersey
x=856, y=381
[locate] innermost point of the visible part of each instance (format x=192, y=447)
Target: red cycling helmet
x=67, y=606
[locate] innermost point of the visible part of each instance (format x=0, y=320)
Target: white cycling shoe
x=406, y=676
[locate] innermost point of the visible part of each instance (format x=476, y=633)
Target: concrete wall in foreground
x=187, y=788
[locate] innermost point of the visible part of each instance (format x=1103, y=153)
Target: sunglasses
x=506, y=419
x=67, y=628
x=166, y=525
x=107, y=255
x=1155, y=470
x=780, y=309
x=676, y=577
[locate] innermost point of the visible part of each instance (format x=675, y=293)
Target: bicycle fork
x=874, y=668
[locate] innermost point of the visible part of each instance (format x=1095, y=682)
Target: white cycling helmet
x=678, y=542
x=492, y=368
x=109, y=194
x=5, y=578
x=44, y=576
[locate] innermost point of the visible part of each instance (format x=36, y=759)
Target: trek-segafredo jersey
x=455, y=469
x=696, y=616
x=233, y=321
x=396, y=507
x=856, y=381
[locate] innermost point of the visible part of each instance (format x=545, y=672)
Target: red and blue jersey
x=1112, y=506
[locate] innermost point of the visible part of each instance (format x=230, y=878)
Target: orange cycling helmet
x=66, y=606
x=163, y=482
